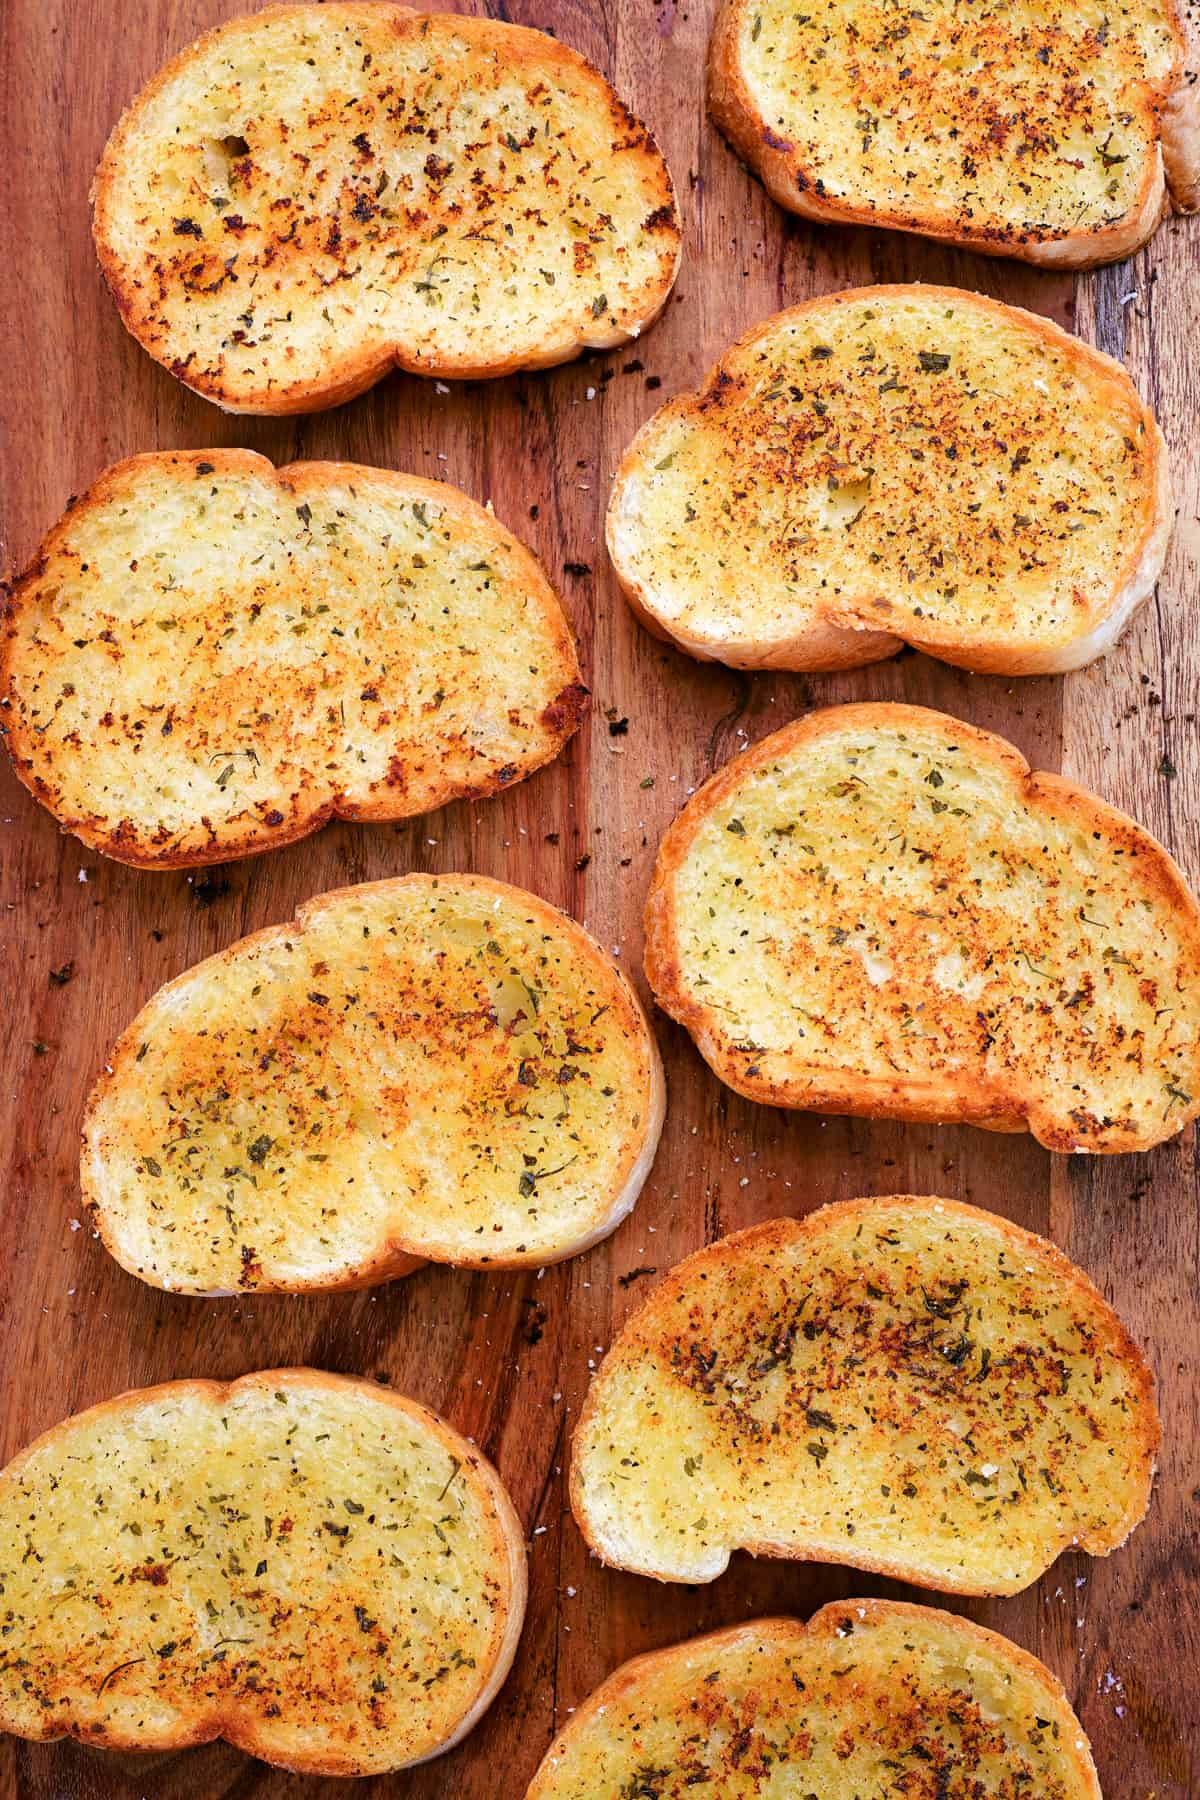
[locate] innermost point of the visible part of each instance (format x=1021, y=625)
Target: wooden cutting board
x=507, y=1358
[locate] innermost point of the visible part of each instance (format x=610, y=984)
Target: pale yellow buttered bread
x=1058, y=131
x=310, y=1566
x=881, y=910
x=435, y=1067
x=896, y=464
x=210, y=657
x=312, y=195
x=871, y=1697
x=904, y=1384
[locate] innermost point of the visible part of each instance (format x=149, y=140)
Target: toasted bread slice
x=903, y=1384
x=313, y=195
x=435, y=1067
x=881, y=910
x=1039, y=129
x=211, y=657
x=318, y=1570
x=896, y=463
x=871, y=1697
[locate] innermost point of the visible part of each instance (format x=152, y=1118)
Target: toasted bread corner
x=1181, y=130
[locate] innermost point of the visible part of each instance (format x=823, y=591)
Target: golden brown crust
x=972, y=1097
x=1181, y=142
x=800, y=188
x=338, y=235
x=638, y=1679
x=301, y=802
x=841, y=631
x=504, y=1554
x=642, y=1336
x=823, y=649
x=631, y=1128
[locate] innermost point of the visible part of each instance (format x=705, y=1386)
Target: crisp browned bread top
x=1042, y=129
x=881, y=910
x=867, y=1691
x=313, y=194
x=311, y=1566
x=210, y=657
x=905, y=1384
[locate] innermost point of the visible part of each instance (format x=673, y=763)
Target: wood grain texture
x=507, y=1358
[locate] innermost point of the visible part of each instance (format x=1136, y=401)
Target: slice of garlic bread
x=871, y=1697
x=896, y=464
x=1041, y=129
x=312, y=1567
x=312, y=195
x=434, y=1067
x=903, y=1384
x=211, y=657
x=881, y=910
